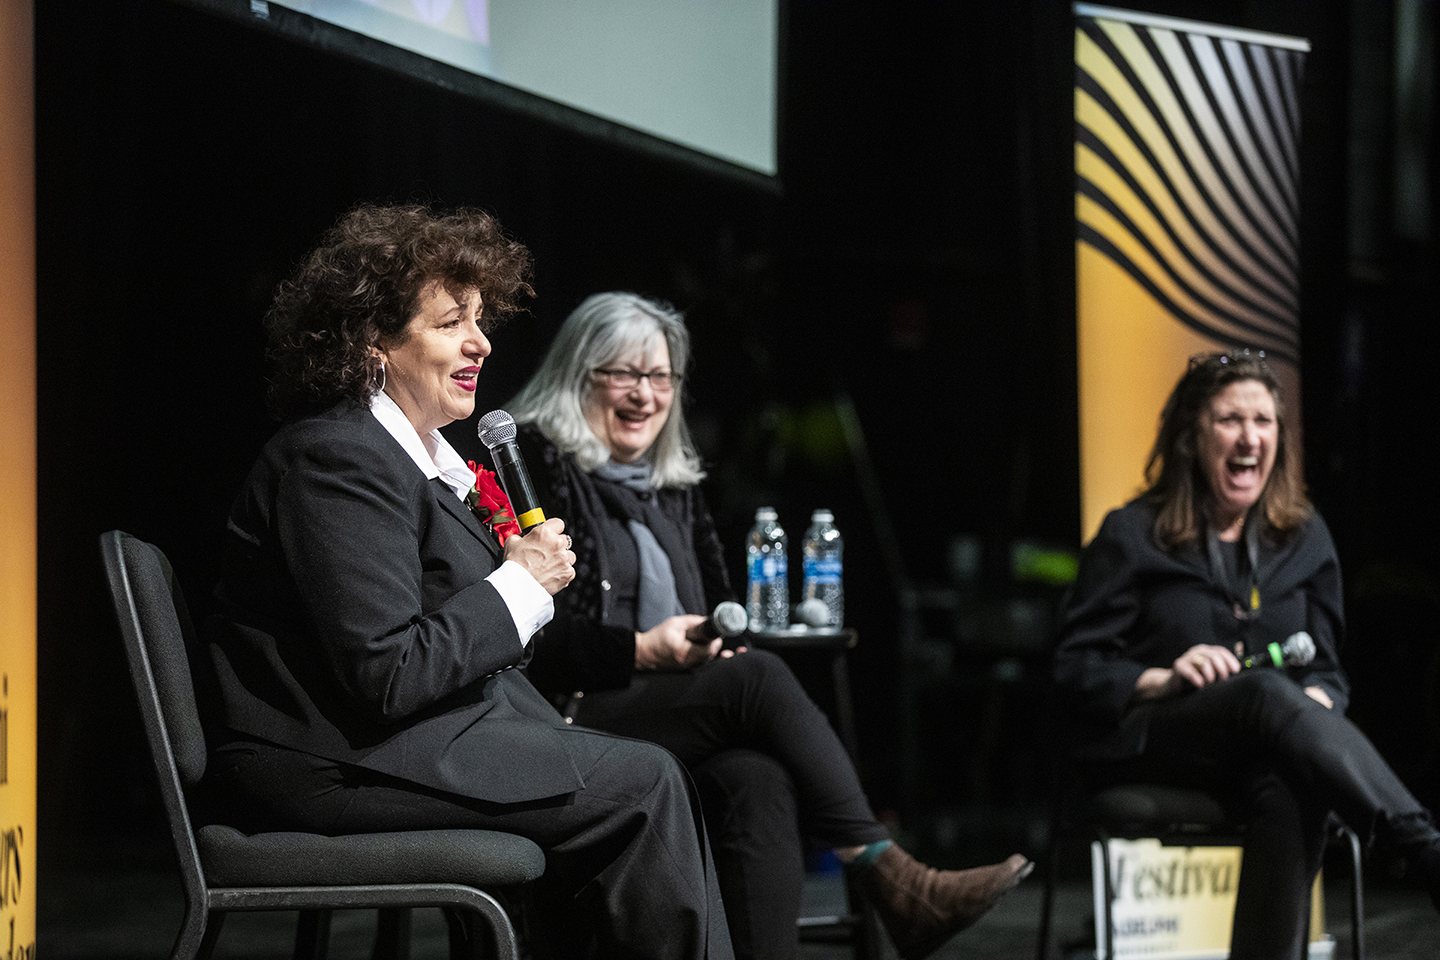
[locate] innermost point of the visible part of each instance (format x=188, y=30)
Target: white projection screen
x=698, y=73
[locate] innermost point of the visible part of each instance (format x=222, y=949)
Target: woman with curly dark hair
x=363, y=284
x=371, y=619
x=1223, y=557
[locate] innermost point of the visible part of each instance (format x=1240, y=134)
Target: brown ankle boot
x=922, y=907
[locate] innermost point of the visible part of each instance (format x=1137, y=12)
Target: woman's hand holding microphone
x=545, y=554
x=666, y=646
x=1201, y=665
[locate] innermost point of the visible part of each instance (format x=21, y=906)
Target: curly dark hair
x=362, y=285
x=1176, y=484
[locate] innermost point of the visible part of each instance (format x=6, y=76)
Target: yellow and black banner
x=1187, y=139
x=17, y=484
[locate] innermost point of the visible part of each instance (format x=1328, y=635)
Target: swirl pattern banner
x=1187, y=174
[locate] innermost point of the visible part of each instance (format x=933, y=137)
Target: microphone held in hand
x=497, y=432
x=727, y=620
x=1297, y=650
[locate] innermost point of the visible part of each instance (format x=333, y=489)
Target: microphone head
x=730, y=619
x=495, y=428
x=813, y=612
x=1298, y=649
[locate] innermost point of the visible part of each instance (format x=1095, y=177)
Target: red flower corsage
x=490, y=505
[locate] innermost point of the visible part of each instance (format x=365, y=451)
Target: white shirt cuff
x=529, y=604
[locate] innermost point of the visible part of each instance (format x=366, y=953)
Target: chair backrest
x=155, y=626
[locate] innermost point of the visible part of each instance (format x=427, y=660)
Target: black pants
x=769, y=769
x=1283, y=762
x=627, y=868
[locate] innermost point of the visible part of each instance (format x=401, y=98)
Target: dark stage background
x=917, y=256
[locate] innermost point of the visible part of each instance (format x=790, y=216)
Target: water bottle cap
x=822, y=516
x=766, y=513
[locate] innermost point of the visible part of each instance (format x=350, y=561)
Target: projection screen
x=696, y=74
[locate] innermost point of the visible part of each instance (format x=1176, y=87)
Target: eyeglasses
x=661, y=381
x=1229, y=357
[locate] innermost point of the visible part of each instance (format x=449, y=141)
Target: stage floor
x=121, y=900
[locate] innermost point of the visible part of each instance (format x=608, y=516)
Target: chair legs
x=467, y=940
x=196, y=940
x=858, y=928
x=1047, y=896
x=1357, y=888
x=867, y=940
x=392, y=934
x=1105, y=944
x=312, y=935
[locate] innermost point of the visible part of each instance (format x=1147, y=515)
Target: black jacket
x=577, y=651
x=1136, y=605
x=359, y=626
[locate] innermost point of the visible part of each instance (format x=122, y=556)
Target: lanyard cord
x=1246, y=600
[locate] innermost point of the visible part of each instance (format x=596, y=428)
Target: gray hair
x=605, y=327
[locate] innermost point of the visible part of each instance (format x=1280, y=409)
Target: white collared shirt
x=530, y=606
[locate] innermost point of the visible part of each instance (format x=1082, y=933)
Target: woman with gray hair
x=608, y=449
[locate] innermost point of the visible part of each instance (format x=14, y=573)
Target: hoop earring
x=381, y=387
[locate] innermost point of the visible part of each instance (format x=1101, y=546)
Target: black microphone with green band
x=1296, y=650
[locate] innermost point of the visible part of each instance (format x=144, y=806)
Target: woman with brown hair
x=1221, y=558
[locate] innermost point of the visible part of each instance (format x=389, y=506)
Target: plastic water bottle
x=823, y=552
x=767, y=600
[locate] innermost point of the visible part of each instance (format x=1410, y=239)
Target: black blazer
x=359, y=627
x=1136, y=605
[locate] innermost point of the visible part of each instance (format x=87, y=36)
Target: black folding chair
x=223, y=870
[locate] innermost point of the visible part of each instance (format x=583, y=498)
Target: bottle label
x=763, y=568
x=819, y=570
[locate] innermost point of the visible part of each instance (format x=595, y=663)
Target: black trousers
x=1283, y=762
x=751, y=812
x=628, y=872
x=770, y=769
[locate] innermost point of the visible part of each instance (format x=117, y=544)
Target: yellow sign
x=1170, y=902
x=1179, y=902
x=17, y=484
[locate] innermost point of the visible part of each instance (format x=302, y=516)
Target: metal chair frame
x=322, y=865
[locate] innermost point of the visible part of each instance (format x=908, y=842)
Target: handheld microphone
x=727, y=620
x=1297, y=650
x=497, y=432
